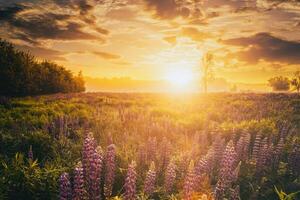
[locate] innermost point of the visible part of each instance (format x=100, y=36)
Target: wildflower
x=235, y=193
x=110, y=166
x=256, y=146
x=130, y=182
x=78, y=191
x=170, y=176
x=188, y=187
x=150, y=180
x=65, y=187
x=95, y=173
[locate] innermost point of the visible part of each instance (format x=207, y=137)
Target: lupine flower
x=95, y=173
x=278, y=151
x=149, y=185
x=228, y=161
x=204, y=166
x=218, y=146
x=235, y=193
x=65, y=187
x=165, y=152
x=87, y=154
x=219, y=190
x=188, y=187
x=294, y=160
x=247, y=139
x=151, y=149
x=256, y=146
x=78, y=190
x=261, y=161
x=30, y=153
x=130, y=182
x=227, y=175
x=170, y=177
x=110, y=165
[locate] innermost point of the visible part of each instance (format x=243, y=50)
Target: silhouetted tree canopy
x=295, y=82
x=21, y=74
x=280, y=83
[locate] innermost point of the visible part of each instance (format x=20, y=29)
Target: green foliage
x=283, y=196
x=22, y=75
x=24, y=179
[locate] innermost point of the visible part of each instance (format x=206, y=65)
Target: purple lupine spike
x=170, y=177
x=151, y=149
x=87, y=154
x=110, y=165
x=294, y=160
x=65, y=187
x=240, y=147
x=218, y=146
x=256, y=146
x=149, y=185
x=165, y=152
x=188, y=187
x=219, y=190
x=95, y=173
x=235, y=193
x=245, y=154
x=261, y=160
x=278, y=151
x=130, y=182
x=78, y=190
x=142, y=155
x=279, y=146
x=204, y=166
x=228, y=161
x=30, y=153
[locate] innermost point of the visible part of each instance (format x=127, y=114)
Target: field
x=150, y=146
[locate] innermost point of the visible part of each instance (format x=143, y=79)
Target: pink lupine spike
x=149, y=185
x=130, y=182
x=78, y=190
x=65, y=187
x=256, y=146
x=188, y=187
x=170, y=177
x=110, y=165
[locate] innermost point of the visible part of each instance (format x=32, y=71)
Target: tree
x=295, y=82
x=279, y=83
x=21, y=74
x=207, y=69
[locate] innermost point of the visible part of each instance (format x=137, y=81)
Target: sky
x=250, y=40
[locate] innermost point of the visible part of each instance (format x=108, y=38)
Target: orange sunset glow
x=149, y=41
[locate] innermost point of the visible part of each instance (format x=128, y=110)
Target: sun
x=180, y=76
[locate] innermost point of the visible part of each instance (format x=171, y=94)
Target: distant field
x=153, y=146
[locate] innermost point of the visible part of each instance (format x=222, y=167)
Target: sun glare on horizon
x=180, y=77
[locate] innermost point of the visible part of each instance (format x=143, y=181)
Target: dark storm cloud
x=267, y=47
x=49, y=25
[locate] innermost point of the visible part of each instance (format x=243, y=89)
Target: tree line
x=281, y=83
x=22, y=75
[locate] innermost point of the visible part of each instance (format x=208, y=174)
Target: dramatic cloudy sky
x=251, y=40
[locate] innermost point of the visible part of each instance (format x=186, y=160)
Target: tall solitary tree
x=207, y=69
x=295, y=82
